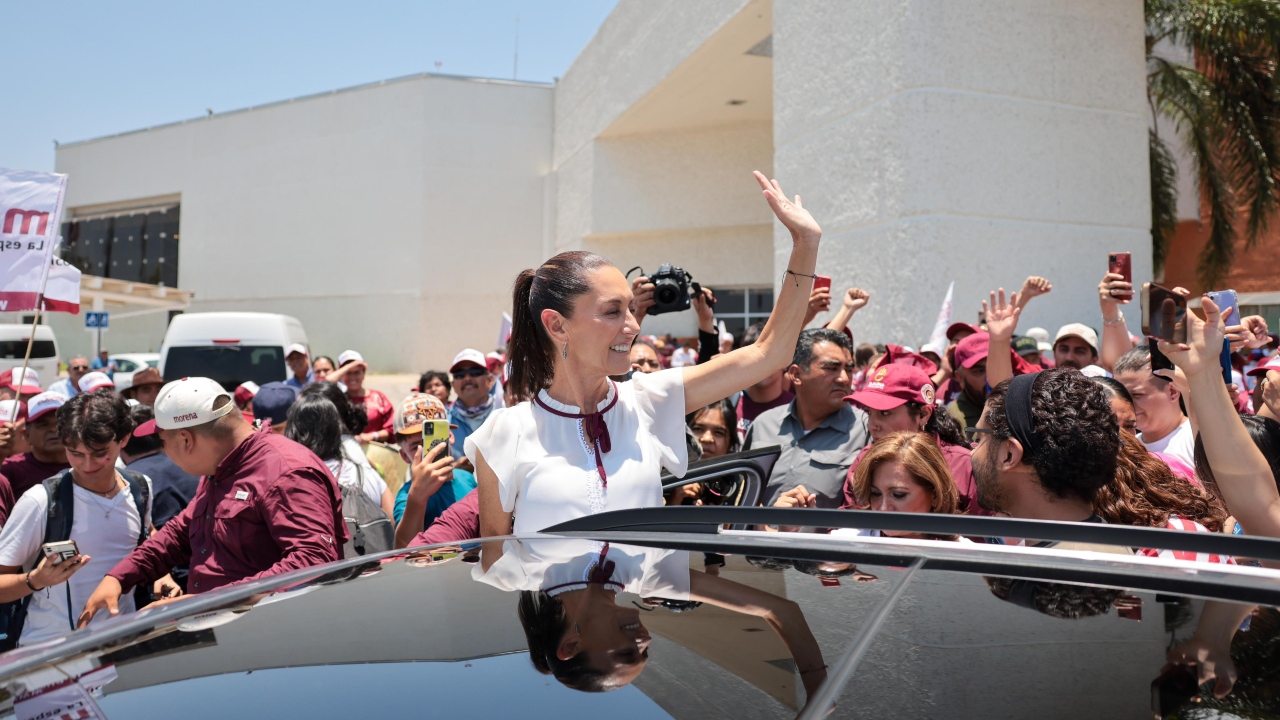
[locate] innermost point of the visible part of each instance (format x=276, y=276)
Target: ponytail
x=941, y=424
x=554, y=286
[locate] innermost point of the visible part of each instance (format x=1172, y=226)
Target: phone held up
x=1225, y=299
x=1164, y=317
x=59, y=552
x=1121, y=263
x=821, y=282
x=434, y=432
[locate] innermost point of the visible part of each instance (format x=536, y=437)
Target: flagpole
x=31, y=341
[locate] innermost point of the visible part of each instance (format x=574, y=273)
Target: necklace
x=114, y=499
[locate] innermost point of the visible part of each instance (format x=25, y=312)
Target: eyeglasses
x=469, y=372
x=970, y=432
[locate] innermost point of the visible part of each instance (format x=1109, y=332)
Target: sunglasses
x=469, y=372
x=971, y=432
x=80, y=368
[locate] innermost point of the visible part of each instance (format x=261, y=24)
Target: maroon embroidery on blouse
x=593, y=426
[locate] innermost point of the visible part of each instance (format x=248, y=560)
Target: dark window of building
x=131, y=246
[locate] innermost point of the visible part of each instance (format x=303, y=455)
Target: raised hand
x=642, y=292
x=791, y=212
x=1204, y=342
x=1113, y=290
x=703, y=305
x=819, y=302
x=1002, y=317
x=431, y=472
x=1033, y=287
x=855, y=299
x=1251, y=332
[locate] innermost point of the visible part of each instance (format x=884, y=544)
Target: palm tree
x=1226, y=111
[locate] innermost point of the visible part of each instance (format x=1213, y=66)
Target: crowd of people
x=183, y=487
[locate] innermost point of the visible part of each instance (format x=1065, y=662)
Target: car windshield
x=530, y=627
x=229, y=365
x=17, y=349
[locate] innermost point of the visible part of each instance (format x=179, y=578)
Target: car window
x=229, y=365
x=17, y=349
x=124, y=365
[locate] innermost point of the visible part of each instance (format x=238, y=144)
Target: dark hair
x=1072, y=422
x=863, y=354
x=804, y=346
x=1265, y=434
x=354, y=417
x=544, y=620
x=1113, y=388
x=1146, y=492
x=1067, y=602
x=94, y=419
x=751, y=333
x=825, y=569
x=326, y=358
x=147, y=444
x=940, y=423
x=730, y=420
x=554, y=286
x=315, y=424
x=430, y=375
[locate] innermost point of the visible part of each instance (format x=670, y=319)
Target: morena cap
x=186, y=403
x=891, y=386
x=245, y=392
x=44, y=403
x=94, y=380
x=351, y=356
x=416, y=409
x=958, y=327
x=30, y=381
x=972, y=350
x=1080, y=330
x=468, y=356
x=1272, y=363
x=12, y=410
x=273, y=401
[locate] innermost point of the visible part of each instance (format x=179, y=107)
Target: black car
x=688, y=613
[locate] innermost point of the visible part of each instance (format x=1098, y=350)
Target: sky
x=84, y=69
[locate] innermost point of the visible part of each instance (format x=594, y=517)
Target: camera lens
x=665, y=294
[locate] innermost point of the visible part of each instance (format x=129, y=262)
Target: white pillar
x=970, y=140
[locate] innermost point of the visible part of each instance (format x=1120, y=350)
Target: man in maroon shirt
x=460, y=522
x=46, y=457
x=266, y=505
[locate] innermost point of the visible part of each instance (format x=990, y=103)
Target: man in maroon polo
x=265, y=505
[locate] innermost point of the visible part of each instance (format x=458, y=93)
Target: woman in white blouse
x=576, y=443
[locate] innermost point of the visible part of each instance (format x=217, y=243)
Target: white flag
x=939, y=334
x=504, y=331
x=30, y=217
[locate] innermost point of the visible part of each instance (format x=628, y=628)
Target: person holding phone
x=434, y=484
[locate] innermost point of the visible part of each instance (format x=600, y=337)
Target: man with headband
x=1045, y=444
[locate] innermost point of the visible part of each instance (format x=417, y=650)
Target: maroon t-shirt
x=6, y=501
x=25, y=472
x=960, y=464
x=460, y=522
x=749, y=410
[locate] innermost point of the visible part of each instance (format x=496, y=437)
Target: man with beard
x=1075, y=346
x=473, y=384
x=1045, y=444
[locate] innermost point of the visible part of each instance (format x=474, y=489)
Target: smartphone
x=59, y=552
x=1159, y=361
x=821, y=281
x=1164, y=314
x=1121, y=263
x=1226, y=299
x=434, y=432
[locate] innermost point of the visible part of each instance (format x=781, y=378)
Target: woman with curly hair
x=1145, y=492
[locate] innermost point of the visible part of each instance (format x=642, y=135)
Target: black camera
x=671, y=287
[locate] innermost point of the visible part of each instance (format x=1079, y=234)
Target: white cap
x=1094, y=371
x=186, y=403
x=1080, y=330
x=351, y=355
x=44, y=402
x=468, y=355
x=94, y=380
x=1040, y=334
x=10, y=410
x=30, y=382
x=296, y=348
x=938, y=348
x=249, y=385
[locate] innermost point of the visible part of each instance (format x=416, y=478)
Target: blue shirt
x=107, y=367
x=295, y=383
x=171, y=488
x=65, y=387
x=451, y=492
x=465, y=428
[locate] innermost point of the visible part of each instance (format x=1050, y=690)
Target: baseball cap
x=1042, y=339
x=273, y=401
x=44, y=403
x=1080, y=330
x=351, y=356
x=494, y=361
x=891, y=386
x=184, y=403
x=94, y=380
x=972, y=349
x=938, y=348
x=1025, y=346
x=1272, y=363
x=468, y=355
x=957, y=327
x=30, y=381
x=12, y=410
x=296, y=348
x=416, y=409
x=245, y=392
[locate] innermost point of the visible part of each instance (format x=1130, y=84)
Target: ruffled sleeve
x=498, y=439
x=660, y=403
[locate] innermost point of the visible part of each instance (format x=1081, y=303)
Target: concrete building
x=931, y=140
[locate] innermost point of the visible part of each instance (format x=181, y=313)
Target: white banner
x=30, y=218
x=939, y=334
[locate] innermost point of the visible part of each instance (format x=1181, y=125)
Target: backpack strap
x=141, y=491
x=61, y=489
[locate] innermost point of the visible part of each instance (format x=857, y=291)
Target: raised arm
x=1002, y=322
x=731, y=372
x=1033, y=287
x=854, y=300
x=1113, y=292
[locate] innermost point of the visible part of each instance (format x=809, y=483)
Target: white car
x=129, y=363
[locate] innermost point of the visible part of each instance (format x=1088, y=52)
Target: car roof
x=944, y=628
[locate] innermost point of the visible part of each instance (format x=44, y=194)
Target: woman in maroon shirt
x=381, y=414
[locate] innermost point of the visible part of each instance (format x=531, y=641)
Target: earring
x=564, y=352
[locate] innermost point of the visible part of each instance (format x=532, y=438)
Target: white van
x=229, y=347
x=44, y=351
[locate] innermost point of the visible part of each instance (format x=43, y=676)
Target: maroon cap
x=957, y=327
x=972, y=350
x=145, y=429
x=1272, y=363
x=893, y=385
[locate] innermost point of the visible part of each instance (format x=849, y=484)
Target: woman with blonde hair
x=904, y=472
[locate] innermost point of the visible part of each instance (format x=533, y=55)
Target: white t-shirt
x=683, y=356
x=1180, y=443
x=106, y=540
x=556, y=566
x=347, y=474
x=547, y=470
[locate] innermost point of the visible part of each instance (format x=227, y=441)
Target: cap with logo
x=44, y=403
x=416, y=410
x=12, y=410
x=468, y=356
x=296, y=348
x=245, y=392
x=1042, y=338
x=1025, y=346
x=94, y=380
x=961, y=327
x=349, y=356
x=30, y=381
x=1272, y=363
x=1079, y=330
x=185, y=403
x=972, y=350
x=273, y=401
x=891, y=386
